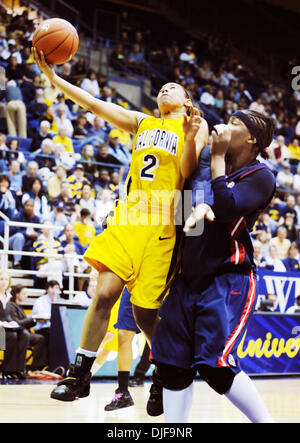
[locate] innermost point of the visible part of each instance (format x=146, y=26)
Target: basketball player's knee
x=104, y=300
x=219, y=379
x=124, y=336
x=173, y=377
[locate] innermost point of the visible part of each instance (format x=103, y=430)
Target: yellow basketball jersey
x=155, y=166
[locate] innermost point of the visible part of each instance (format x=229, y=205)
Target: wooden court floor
x=30, y=403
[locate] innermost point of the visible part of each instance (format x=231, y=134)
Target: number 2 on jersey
x=151, y=164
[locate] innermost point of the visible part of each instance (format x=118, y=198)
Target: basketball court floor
x=29, y=402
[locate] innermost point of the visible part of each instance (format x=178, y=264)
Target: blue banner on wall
x=286, y=286
x=271, y=345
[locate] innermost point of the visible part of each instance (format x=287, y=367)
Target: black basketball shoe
x=120, y=400
x=75, y=385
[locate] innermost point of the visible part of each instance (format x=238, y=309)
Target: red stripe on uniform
x=222, y=361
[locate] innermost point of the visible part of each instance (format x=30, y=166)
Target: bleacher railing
x=6, y=251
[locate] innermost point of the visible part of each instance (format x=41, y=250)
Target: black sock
x=123, y=379
x=84, y=363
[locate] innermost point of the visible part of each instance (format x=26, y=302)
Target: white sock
x=246, y=398
x=85, y=352
x=177, y=404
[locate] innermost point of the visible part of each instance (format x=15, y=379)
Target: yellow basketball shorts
x=140, y=255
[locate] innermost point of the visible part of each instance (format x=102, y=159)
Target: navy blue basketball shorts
x=205, y=328
x=126, y=319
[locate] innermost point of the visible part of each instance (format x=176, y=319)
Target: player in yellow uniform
x=136, y=248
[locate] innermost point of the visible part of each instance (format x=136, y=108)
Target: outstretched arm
x=116, y=115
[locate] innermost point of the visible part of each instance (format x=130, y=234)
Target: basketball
x=58, y=39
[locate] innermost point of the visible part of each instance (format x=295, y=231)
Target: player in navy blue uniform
x=211, y=299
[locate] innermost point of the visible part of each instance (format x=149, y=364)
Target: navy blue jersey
x=236, y=199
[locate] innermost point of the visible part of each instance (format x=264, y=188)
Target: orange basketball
x=58, y=40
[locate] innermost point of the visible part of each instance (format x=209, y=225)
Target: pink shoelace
x=116, y=397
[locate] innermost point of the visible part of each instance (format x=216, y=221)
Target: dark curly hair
x=266, y=125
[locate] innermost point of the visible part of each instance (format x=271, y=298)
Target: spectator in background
x=66, y=198
x=102, y=181
x=77, y=180
x=63, y=121
x=98, y=129
x=49, y=268
x=85, y=298
x=123, y=138
x=64, y=140
x=104, y=205
x=61, y=100
x=40, y=136
x=103, y=156
x=11, y=51
x=50, y=117
x=114, y=185
x=87, y=199
x=279, y=152
x=90, y=83
x=296, y=181
x=296, y=308
x=259, y=260
x=117, y=149
x=289, y=207
x=88, y=162
x=37, y=341
x=117, y=58
x=54, y=182
x=273, y=262
x=58, y=218
x=13, y=145
x=37, y=107
x=32, y=170
x=41, y=208
x=45, y=158
x=14, y=70
x=289, y=224
x=15, y=177
x=22, y=238
x=71, y=239
x=188, y=56
x=291, y=262
x=42, y=311
x=284, y=177
x=16, y=339
x=7, y=198
x=80, y=131
x=15, y=111
x=294, y=148
x=79, y=70
x=258, y=105
x=269, y=304
x=136, y=59
x=84, y=228
x=281, y=243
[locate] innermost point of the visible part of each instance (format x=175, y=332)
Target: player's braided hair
x=266, y=125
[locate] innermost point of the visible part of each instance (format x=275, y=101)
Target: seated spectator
x=269, y=304
x=207, y=97
x=49, y=267
x=63, y=158
x=188, y=56
x=291, y=262
x=61, y=100
x=32, y=170
x=15, y=111
x=87, y=199
x=257, y=105
x=136, y=59
x=50, y=117
x=296, y=181
x=103, y=205
x=38, y=107
x=71, y=239
x=66, y=198
x=117, y=149
x=16, y=338
x=63, y=121
x=123, y=138
x=14, y=70
x=84, y=229
x=262, y=224
x=102, y=182
x=284, y=177
x=41, y=208
x=281, y=242
x=90, y=83
x=279, y=152
x=219, y=99
x=117, y=59
x=259, y=260
x=273, y=262
x=107, y=95
x=85, y=298
x=42, y=310
x=80, y=131
x=289, y=224
x=294, y=148
x=88, y=162
x=11, y=51
x=77, y=180
x=19, y=294
x=79, y=70
x=105, y=158
x=15, y=177
x=45, y=158
x=275, y=210
x=289, y=207
x=114, y=184
x=58, y=218
x=98, y=129
x=7, y=197
x=63, y=139
x=13, y=145
x=29, y=89
x=74, y=263
x=39, y=137
x=54, y=182
x=296, y=307
x=21, y=239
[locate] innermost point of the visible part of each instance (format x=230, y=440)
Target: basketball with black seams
x=58, y=39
